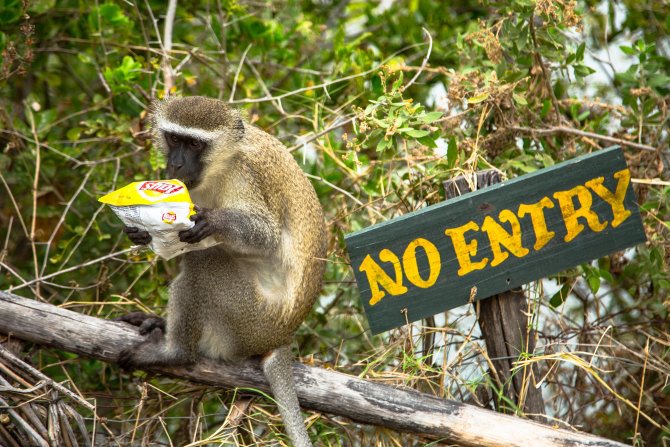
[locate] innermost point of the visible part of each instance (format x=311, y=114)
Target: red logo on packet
x=161, y=187
x=169, y=217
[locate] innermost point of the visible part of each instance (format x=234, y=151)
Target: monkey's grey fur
x=246, y=296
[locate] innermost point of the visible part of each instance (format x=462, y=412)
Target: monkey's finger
x=134, y=318
x=150, y=323
x=189, y=236
x=195, y=234
x=140, y=238
x=129, y=230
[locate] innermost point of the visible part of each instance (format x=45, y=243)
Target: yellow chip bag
x=161, y=207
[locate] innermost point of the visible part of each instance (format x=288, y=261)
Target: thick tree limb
x=318, y=389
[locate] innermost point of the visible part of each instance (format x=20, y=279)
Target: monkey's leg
x=277, y=369
x=177, y=347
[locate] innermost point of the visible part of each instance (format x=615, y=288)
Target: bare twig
x=425, y=59
x=76, y=267
x=167, y=44
x=569, y=130
x=62, y=219
x=16, y=206
x=237, y=73
x=36, y=182
x=325, y=131
x=7, y=355
x=324, y=84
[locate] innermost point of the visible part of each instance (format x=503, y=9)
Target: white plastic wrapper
x=161, y=207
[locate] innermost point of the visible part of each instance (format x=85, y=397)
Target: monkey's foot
x=146, y=353
x=146, y=322
x=153, y=352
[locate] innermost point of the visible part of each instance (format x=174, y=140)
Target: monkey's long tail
x=279, y=372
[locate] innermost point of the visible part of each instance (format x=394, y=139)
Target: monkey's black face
x=185, y=158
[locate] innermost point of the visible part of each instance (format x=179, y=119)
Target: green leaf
x=74, y=134
x=430, y=117
x=579, y=54
x=452, y=153
x=85, y=58
x=109, y=19
x=582, y=116
x=659, y=80
x=479, y=98
x=628, y=50
x=583, y=70
x=519, y=99
x=427, y=141
x=10, y=11
x=376, y=84
x=594, y=283
x=398, y=82
x=416, y=133
x=560, y=296
x=383, y=144
x=41, y=6
x=606, y=275
x=546, y=107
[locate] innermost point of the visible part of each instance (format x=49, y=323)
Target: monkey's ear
x=238, y=128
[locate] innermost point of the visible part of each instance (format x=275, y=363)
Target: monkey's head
x=190, y=130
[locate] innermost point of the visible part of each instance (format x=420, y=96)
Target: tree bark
x=318, y=389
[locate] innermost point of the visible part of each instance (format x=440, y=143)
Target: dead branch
x=318, y=389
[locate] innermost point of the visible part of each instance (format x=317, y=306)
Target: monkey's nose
x=173, y=172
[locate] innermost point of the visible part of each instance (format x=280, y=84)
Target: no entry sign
x=495, y=239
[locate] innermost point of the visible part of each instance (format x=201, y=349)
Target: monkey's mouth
x=191, y=182
x=188, y=180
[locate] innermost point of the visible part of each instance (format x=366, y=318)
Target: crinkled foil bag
x=161, y=207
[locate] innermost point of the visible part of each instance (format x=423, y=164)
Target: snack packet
x=161, y=207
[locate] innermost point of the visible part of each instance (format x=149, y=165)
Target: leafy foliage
x=517, y=85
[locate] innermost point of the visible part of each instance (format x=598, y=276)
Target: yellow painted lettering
x=614, y=200
x=571, y=215
x=377, y=276
x=411, y=267
x=499, y=237
x=465, y=250
x=535, y=210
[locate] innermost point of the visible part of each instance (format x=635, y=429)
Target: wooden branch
x=318, y=389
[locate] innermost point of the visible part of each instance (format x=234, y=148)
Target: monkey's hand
x=200, y=230
x=139, y=237
x=146, y=322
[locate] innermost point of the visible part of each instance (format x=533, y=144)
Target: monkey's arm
x=245, y=232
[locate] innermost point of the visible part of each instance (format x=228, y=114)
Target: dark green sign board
x=492, y=240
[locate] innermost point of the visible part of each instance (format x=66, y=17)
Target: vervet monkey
x=246, y=296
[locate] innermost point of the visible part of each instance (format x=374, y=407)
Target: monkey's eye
x=196, y=144
x=174, y=138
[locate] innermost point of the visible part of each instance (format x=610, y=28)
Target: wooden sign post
x=504, y=320
x=496, y=239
